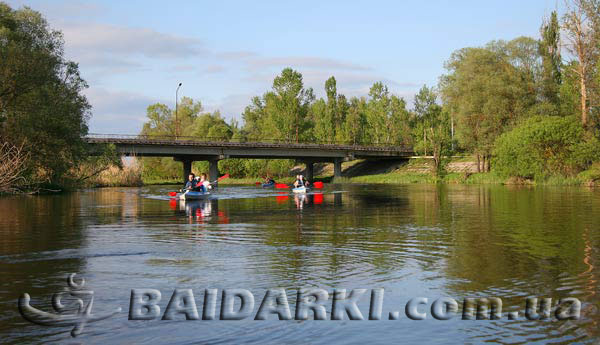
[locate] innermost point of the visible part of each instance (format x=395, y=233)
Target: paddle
x=221, y=178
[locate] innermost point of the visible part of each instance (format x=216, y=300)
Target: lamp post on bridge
x=176, y=120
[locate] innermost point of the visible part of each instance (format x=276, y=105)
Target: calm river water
x=411, y=240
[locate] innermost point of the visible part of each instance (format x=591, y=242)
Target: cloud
x=129, y=41
x=214, y=69
x=302, y=62
x=107, y=64
x=117, y=111
x=236, y=55
x=231, y=106
x=62, y=9
x=182, y=68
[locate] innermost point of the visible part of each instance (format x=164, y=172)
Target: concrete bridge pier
x=310, y=171
x=187, y=167
x=337, y=167
x=213, y=169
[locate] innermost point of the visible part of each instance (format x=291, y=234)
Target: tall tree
x=581, y=24
x=487, y=95
x=42, y=107
x=287, y=106
x=431, y=126
x=549, y=49
x=354, y=126
x=254, y=116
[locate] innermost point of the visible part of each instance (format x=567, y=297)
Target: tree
x=211, y=126
x=387, y=119
x=42, y=108
x=543, y=146
x=581, y=27
x=254, y=116
x=354, y=126
x=424, y=107
x=287, y=107
x=549, y=49
x=193, y=122
x=487, y=95
x=431, y=127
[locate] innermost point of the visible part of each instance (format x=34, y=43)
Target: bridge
x=190, y=149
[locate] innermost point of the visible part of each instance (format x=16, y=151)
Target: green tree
x=254, y=117
x=193, y=122
x=581, y=24
x=549, y=49
x=431, y=127
x=543, y=146
x=356, y=121
x=42, y=107
x=487, y=95
x=287, y=106
x=387, y=119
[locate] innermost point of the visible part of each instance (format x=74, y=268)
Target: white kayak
x=192, y=195
x=300, y=190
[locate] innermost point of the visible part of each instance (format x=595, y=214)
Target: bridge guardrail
x=267, y=143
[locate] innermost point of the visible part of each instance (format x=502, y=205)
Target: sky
x=135, y=53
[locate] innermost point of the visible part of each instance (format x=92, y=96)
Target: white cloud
x=214, y=69
x=303, y=62
x=60, y=9
x=129, y=41
x=236, y=55
x=117, y=111
x=231, y=106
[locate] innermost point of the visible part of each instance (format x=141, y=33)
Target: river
x=430, y=241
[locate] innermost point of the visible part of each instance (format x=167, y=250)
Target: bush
x=543, y=146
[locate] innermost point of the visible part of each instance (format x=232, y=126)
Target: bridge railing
x=258, y=141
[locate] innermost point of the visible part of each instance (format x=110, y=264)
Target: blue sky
x=134, y=53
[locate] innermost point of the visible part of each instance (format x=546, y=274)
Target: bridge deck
x=188, y=147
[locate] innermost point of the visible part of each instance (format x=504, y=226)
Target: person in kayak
x=203, y=184
x=269, y=180
x=300, y=182
x=191, y=183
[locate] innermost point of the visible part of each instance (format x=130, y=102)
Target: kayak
x=267, y=185
x=191, y=195
x=300, y=189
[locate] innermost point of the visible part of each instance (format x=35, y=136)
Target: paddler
x=191, y=183
x=300, y=182
x=204, y=184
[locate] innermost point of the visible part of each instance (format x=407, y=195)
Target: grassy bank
x=414, y=177
x=589, y=178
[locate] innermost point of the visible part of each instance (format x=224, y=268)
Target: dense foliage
x=42, y=109
x=544, y=146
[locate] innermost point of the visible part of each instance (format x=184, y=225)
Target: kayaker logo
x=76, y=313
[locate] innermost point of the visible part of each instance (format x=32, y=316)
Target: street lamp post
x=176, y=120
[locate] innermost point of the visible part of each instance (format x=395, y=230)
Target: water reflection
x=459, y=241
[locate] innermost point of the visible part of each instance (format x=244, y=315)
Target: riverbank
x=464, y=171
